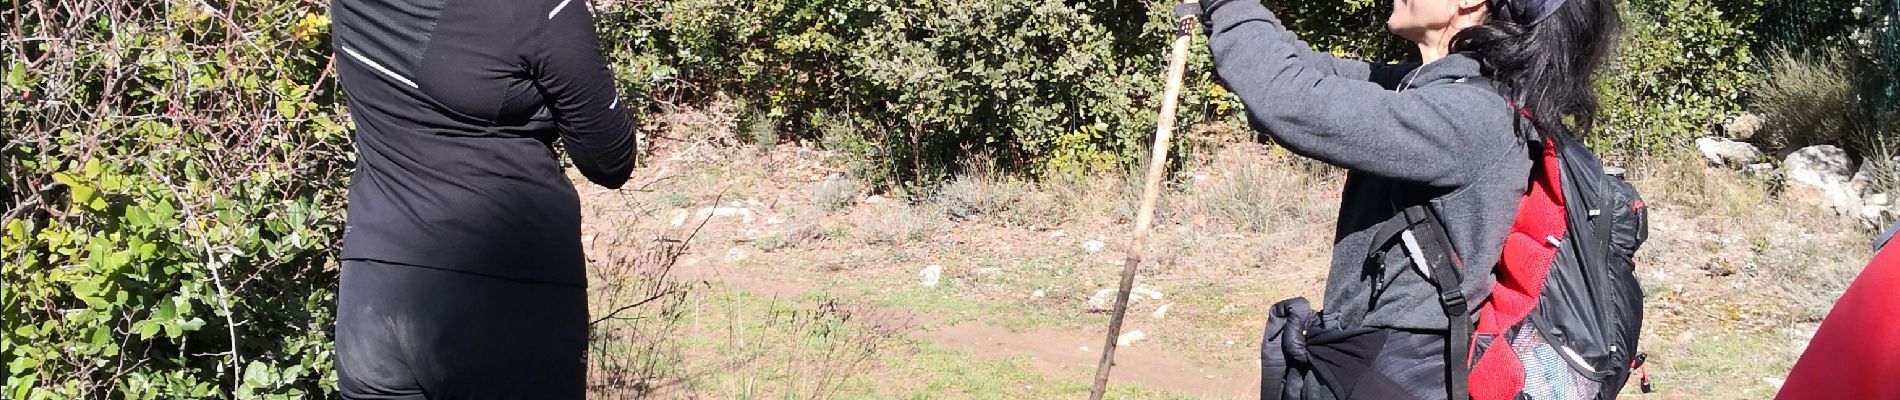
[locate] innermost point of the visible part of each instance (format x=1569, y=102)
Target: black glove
x=1194, y=8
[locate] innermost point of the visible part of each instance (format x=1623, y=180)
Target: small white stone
x=1143, y=291
x=1093, y=245
x=1130, y=337
x=1036, y=294
x=931, y=275
x=1162, y=311
x=1104, y=300
x=679, y=218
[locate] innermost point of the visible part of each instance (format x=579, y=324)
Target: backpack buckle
x=1453, y=298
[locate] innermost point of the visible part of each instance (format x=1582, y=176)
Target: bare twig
x=217, y=279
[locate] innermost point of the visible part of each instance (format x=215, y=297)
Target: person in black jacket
x=463, y=274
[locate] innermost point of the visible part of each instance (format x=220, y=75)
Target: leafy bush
x=1060, y=87
x=1682, y=66
x=1047, y=85
x=175, y=175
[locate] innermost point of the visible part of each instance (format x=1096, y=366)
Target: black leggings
x=408, y=332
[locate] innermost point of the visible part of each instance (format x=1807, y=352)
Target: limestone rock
x=1743, y=127
x=1718, y=151
x=1827, y=171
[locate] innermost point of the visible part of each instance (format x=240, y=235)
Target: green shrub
x=175, y=175
x=1815, y=98
x=1682, y=67
x=905, y=88
x=918, y=84
x=1349, y=28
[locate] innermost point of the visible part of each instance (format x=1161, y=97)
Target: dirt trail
x=1055, y=352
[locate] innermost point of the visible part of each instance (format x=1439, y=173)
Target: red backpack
x=1567, y=302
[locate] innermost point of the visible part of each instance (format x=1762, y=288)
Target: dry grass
x=637, y=304
x=1682, y=181
x=661, y=329
x=1716, y=228
x=1884, y=168
x=889, y=223
x=1259, y=192
x=717, y=123
x=1047, y=202
x=836, y=193
x=977, y=196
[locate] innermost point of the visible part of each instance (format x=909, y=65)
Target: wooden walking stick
x=1186, y=15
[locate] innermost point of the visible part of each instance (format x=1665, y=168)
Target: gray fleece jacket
x=1407, y=134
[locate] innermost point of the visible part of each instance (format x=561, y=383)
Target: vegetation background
x=175, y=169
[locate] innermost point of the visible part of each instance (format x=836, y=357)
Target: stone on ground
x=1724, y=152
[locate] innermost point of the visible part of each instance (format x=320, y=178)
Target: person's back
x=457, y=104
x=463, y=273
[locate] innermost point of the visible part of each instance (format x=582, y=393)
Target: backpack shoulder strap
x=1422, y=233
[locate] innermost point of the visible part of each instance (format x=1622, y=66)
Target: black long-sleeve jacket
x=457, y=105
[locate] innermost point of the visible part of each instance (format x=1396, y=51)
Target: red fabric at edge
x=1856, y=352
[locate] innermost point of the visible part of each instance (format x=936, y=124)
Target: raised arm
x=1431, y=135
x=1320, y=62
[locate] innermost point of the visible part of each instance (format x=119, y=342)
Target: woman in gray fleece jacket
x=1439, y=132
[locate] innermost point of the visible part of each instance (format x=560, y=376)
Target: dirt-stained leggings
x=410, y=332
